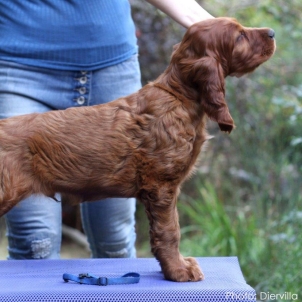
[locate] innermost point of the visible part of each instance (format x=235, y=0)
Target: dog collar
x=170, y=91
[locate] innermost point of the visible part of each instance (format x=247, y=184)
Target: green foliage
x=285, y=262
x=270, y=256
x=216, y=229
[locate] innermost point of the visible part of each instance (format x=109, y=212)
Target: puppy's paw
x=187, y=269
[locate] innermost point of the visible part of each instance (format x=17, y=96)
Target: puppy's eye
x=241, y=36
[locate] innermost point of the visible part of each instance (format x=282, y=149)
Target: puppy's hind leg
x=70, y=199
x=13, y=188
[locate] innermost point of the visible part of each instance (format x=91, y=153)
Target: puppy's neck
x=172, y=79
x=171, y=91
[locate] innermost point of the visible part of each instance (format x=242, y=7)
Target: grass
x=220, y=230
x=269, y=252
x=285, y=263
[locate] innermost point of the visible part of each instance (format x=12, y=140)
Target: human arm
x=184, y=12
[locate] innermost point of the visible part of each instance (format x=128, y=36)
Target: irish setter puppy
x=143, y=145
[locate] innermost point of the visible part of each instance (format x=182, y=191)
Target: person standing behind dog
x=58, y=54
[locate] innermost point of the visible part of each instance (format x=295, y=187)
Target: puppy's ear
x=208, y=75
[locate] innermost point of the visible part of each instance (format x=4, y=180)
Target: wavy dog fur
x=143, y=145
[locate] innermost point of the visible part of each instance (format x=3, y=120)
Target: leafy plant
x=270, y=256
x=283, y=269
x=216, y=229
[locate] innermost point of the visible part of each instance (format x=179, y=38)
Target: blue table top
x=41, y=280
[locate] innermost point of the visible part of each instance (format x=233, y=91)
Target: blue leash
x=129, y=278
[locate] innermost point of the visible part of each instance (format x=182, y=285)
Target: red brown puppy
x=143, y=145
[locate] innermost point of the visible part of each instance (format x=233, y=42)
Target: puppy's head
x=213, y=49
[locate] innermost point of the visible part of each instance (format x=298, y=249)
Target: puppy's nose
x=271, y=33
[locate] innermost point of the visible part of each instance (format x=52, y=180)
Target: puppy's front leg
x=165, y=237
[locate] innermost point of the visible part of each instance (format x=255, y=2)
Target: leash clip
x=81, y=276
x=102, y=281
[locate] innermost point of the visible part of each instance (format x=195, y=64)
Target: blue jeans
x=34, y=225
